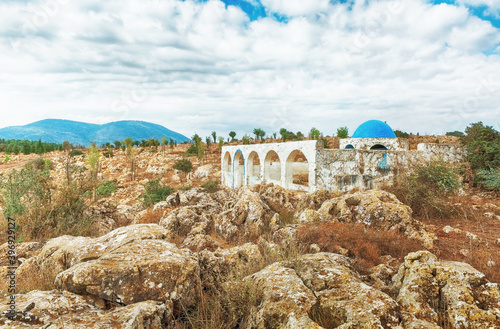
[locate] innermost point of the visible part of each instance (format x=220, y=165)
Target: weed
x=211, y=186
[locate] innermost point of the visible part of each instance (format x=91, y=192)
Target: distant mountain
x=58, y=131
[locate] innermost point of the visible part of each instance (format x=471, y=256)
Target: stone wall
x=394, y=144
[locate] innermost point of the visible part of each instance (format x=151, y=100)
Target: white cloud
x=202, y=66
x=295, y=7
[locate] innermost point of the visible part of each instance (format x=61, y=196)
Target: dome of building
x=374, y=129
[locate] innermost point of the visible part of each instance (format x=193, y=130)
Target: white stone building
x=372, y=157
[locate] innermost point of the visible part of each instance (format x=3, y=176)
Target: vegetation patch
x=156, y=192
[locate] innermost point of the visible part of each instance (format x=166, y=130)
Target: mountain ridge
x=83, y=133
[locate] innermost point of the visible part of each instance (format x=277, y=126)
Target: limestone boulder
x=66, y=251
x=138, y=271
x=276, y=197
x=286, y=300
x=205, y=172
x=342, y=295
x=56, y=309
x=447, y=293
x=180, y=221
x=378, y=209
x=317, y=290
x=23, y=251
x=245, y=219
x=216, y=266
x=313, y=200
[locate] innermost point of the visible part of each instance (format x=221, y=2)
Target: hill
x=58, y=131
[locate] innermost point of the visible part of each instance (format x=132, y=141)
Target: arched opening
x=253, y=169
x=238, y=170
x=349, y=147
x=226, y=169
x=272, y=168
x=297, y=171
x=378, y=147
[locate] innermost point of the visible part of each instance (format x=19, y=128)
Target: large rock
x=319, y=289
x=286, y=301
x=343, y=297
x=56, y=309
x=66, y=251
x=138, y=271
x=447, y=293
x=217, y=265
x=378, y=209
x=246, y=219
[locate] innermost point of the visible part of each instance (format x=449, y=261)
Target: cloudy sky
x=198, y=66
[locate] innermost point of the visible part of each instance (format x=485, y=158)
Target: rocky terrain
x=260, y=257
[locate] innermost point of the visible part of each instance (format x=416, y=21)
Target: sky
x=201, y=66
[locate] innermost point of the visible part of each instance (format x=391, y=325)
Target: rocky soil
x=235, y=259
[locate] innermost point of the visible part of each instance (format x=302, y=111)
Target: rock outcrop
x=450, y=294
x=138, y=271
x=374, y=208
x=56, y=309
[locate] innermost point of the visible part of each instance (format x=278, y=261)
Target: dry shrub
x=364, y=244
x=151, y=217
x=34, y=279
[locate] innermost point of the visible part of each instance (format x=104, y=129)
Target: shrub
x=211, y=186
x=488, y=179
x=6, y=158
x=156, y=192
x=106, y=189
x=152, y=216
x=184, y=165
x=427, y=188
x=75, y=153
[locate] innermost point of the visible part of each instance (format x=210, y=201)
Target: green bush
x=192, y=150
x=106, y=189
x=156, y=192
x=427, y=188
x=75, y=153
x=488, y=179
x=211, y=186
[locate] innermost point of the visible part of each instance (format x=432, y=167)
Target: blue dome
x=374, y=129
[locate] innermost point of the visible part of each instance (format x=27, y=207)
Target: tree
x=164, y=142
x=184, y=165
x=232, y=134
x=455, y=133
x=300, y=136
x=401, y=134
x=118, y=144
x=172, y=143
x=259, y=133
x=343, y=132
x=283, y=132
x=214, y=136
x=132, y=158
x=93, y=161
x=482, y=146
x=314, y=133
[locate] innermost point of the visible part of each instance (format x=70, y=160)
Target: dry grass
x=365, y=245
x=152, y=216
